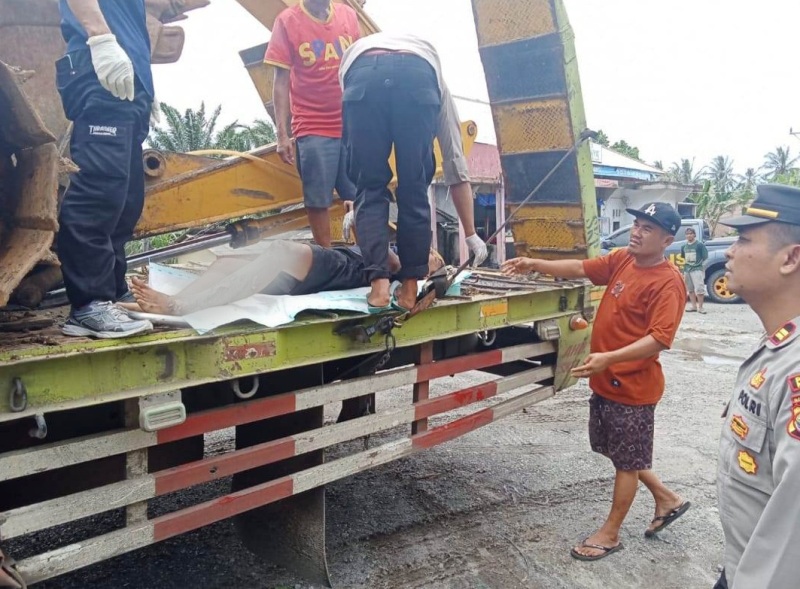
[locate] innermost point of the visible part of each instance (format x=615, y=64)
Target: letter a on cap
x=651, y=210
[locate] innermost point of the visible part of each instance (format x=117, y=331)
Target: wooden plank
x=81, y=554
x=423, y=387
x=75, y=556
x=40, y=516
x=20, y=463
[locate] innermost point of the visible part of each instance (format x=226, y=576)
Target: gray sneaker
x=103, y=320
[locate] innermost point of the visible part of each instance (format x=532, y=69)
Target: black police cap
x=774, y=202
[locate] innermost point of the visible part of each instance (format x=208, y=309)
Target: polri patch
x=783, y=333
x=739, y=427
x=747, y=463
x=793, y=427
x=757, y=380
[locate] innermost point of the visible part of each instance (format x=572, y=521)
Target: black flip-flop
x=606, y=550
x=667, y=519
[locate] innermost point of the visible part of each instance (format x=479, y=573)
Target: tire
x=717, y=286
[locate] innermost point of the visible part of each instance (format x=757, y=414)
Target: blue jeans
x=391, y=99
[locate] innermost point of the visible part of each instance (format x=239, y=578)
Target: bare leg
x=666, y=500
x=625, y=484
x=693, y=300
x=320, y=221
x=407, y=293
x=379, y=294
x=228, y=280
x=700, y=298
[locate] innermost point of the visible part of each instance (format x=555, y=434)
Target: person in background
x=395, y=97
x=758, y=481
x=106, y=89
x=695, y=254
x=306, y=47
x=638, y=317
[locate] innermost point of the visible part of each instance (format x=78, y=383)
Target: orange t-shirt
x=637, y=302
x=311, y=50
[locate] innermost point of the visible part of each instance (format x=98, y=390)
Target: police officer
x=106, y=88
x=759, y=458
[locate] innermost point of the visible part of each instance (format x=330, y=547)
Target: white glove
x=478, y=248
x=347, y=224
x=155, y=113
x=112, y=65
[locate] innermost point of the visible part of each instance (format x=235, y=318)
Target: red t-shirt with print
x=637, y=302
x=311, y=50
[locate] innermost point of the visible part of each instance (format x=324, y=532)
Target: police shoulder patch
x=739, y=427
x=793, y=426
x=783, y=334
x=747, y=462
x=758, y=379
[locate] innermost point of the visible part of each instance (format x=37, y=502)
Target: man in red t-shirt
x=638, y=317
x=306, y=46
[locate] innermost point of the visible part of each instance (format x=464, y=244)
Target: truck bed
x=59, y=372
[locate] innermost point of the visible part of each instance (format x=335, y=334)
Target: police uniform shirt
x=759, y=467
x=127, y=19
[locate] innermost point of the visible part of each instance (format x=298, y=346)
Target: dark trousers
x=722, y=582
x=391, y=99
x=105, y=198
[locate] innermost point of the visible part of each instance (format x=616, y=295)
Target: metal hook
x=40, y=431
x=246, y=395
x=18, y=398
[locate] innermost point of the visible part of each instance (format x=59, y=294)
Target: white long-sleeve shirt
x=454, y=162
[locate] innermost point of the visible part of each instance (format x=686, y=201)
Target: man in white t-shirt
x=394, y=96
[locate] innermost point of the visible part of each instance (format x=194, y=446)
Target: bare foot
x=599, y=538
x=663, y=508
x=130, y=306
x=150, y=300
x=379, y=293
x=407, y=294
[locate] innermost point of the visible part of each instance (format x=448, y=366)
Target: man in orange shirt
x=306, y=46
x=638, y=317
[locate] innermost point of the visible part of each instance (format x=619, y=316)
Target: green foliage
x=602, y=138
x=723, y=191
x=195, y=130
x=779, y=163
x=684, y=173
x=622, y=147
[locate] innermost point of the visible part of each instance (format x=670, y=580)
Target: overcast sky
x=677, y=78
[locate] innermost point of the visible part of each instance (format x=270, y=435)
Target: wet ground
x=498, y=508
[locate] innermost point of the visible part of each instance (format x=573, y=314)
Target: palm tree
x=748, y=182
x=779, y=163
x=722, y=191
x=658, y=164
x=194, y=130
x=684, y=173
x=720, y=173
